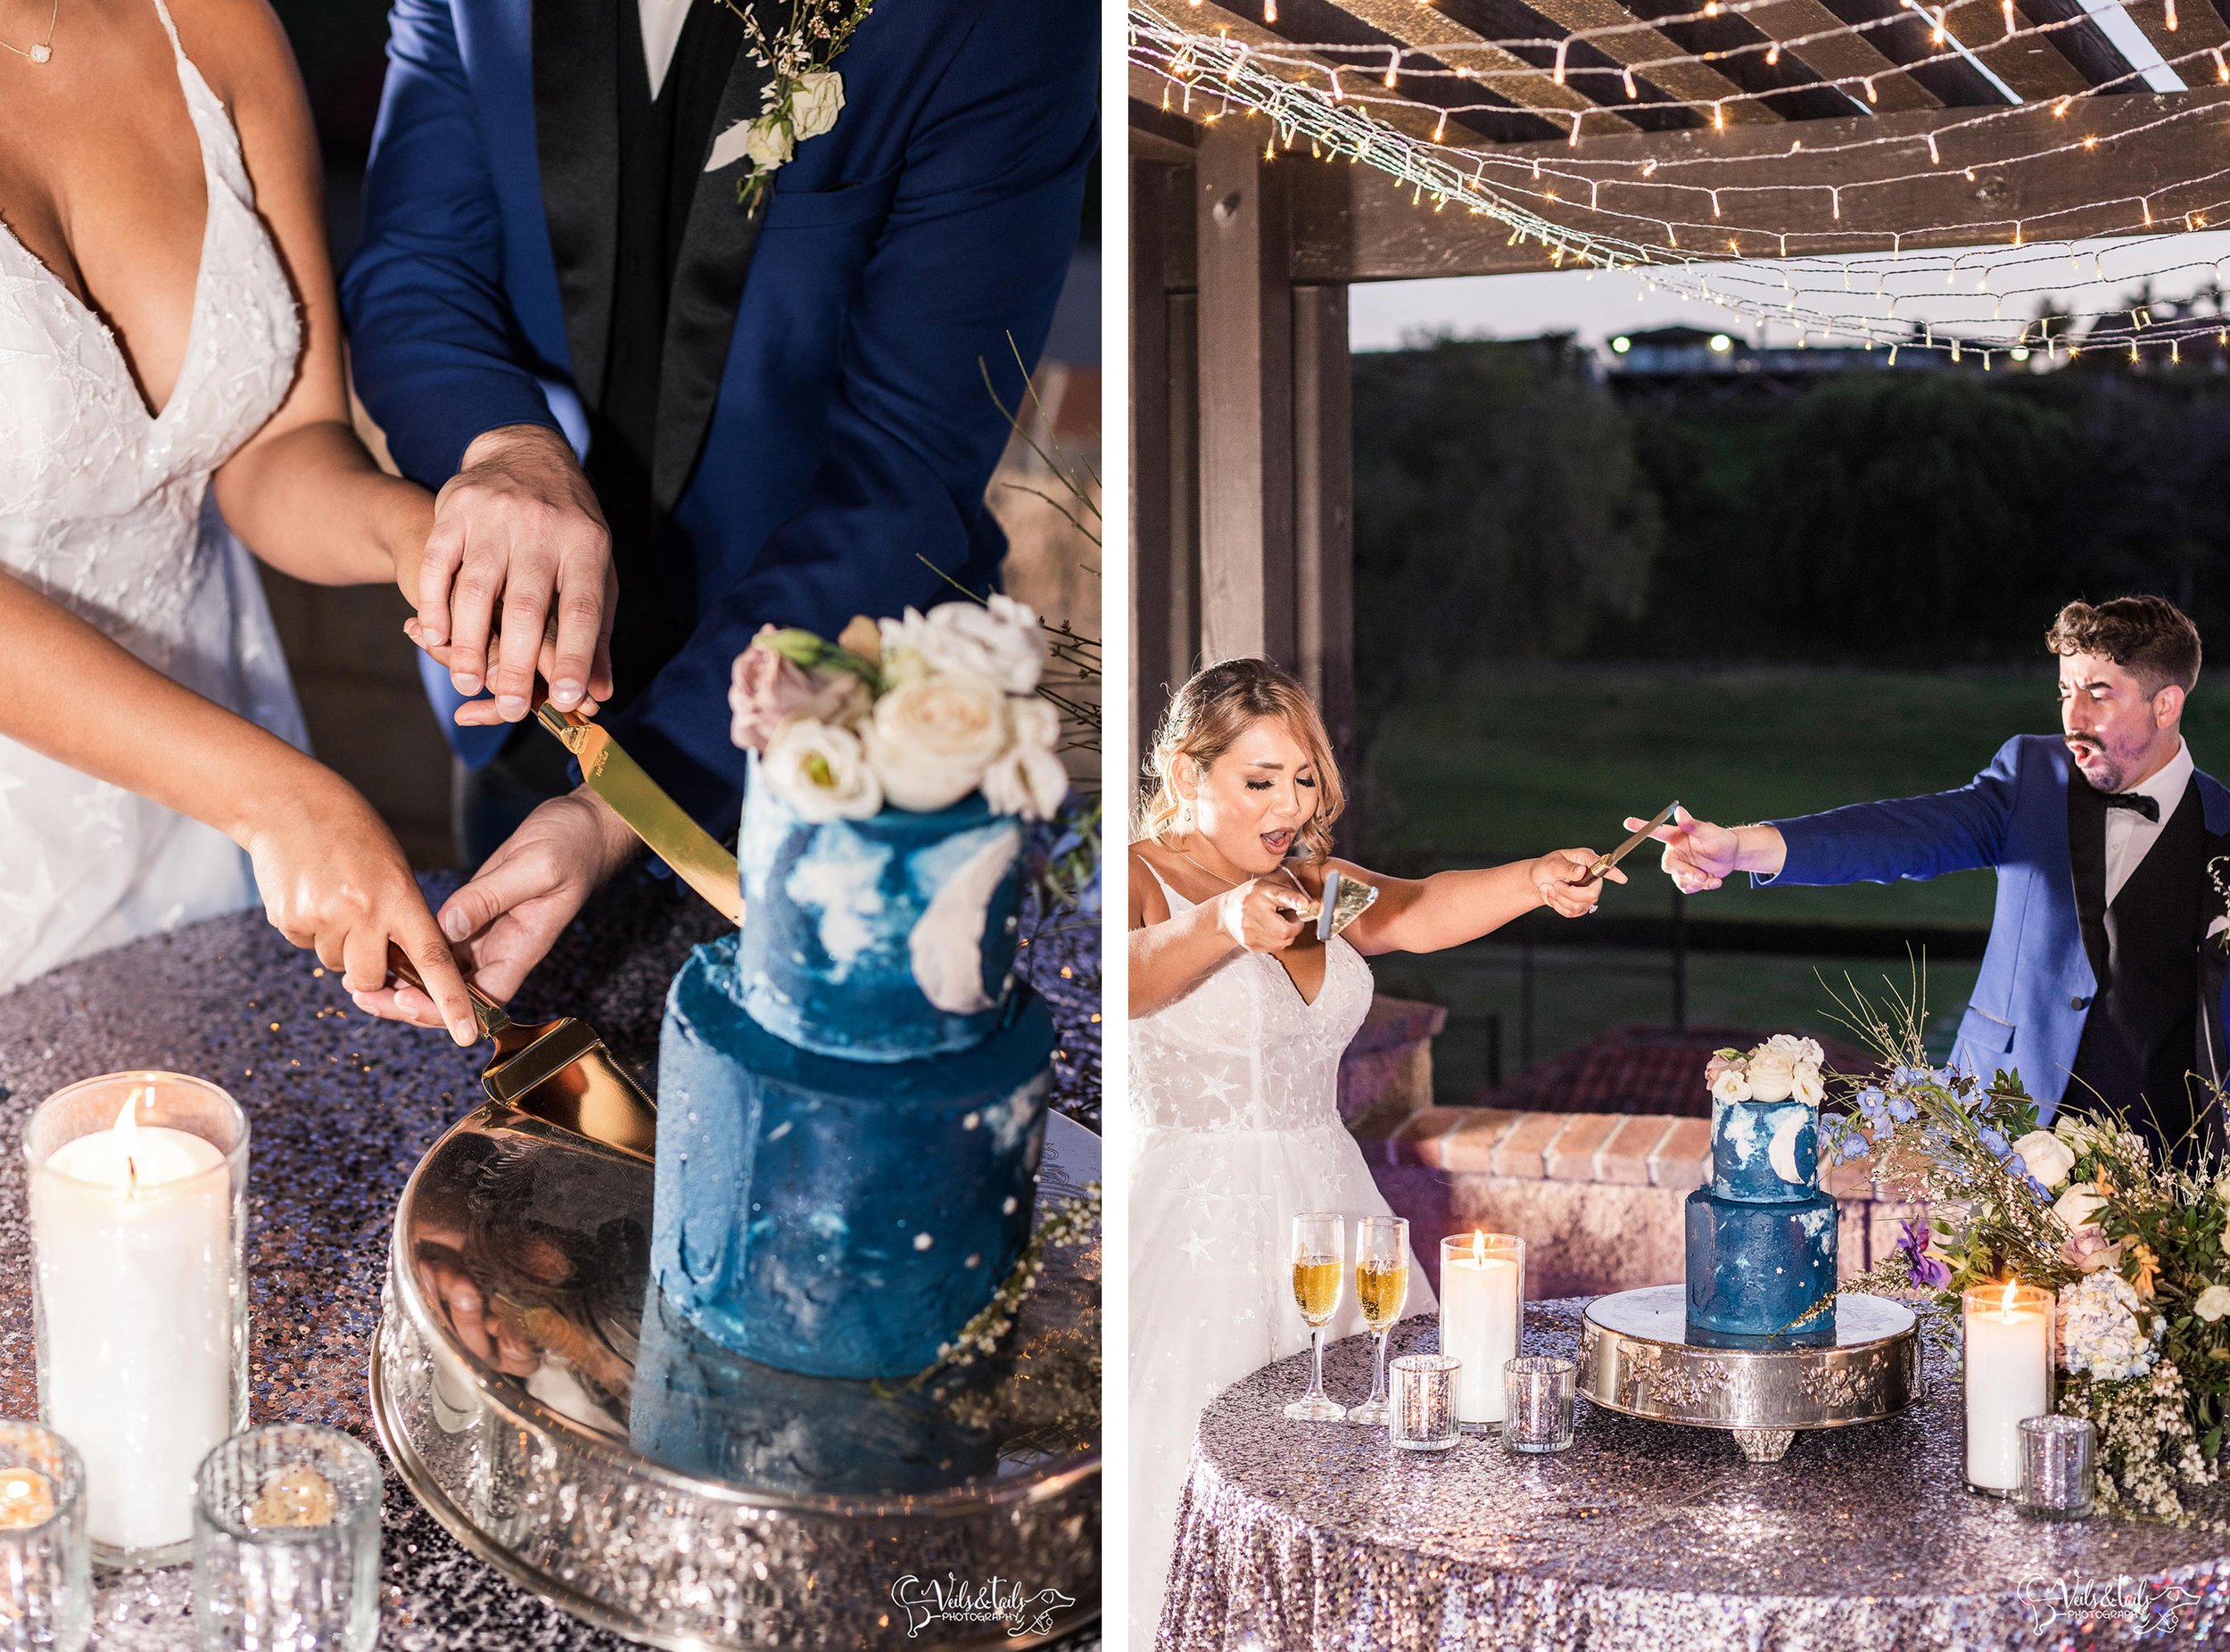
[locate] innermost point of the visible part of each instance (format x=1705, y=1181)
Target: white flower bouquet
x=1782, y=1067
x=915, y=713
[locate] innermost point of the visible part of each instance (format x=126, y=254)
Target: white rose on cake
x=1029, y=781
x=822, y=773
x=931, y=739
x=1000, y=641
x=1730, y=1084
x=1773, y=1074
x=1805, y=1084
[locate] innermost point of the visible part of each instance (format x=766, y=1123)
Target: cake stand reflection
x=1639, y=1357
x=541, y=1399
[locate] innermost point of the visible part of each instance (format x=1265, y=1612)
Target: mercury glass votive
x=46, y=1559
x=1538, y=1392
x=286, y=1543
x=1421, y=1411
x=2056, y=1458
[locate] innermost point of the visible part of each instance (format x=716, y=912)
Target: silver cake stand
x=1636, y=1358
x=542, y=1401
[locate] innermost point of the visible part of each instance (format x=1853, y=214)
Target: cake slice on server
x=851, y=1091
x=1762, y=1236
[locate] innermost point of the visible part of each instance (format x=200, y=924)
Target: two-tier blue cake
x=852, y=1093
x=1762, y=1236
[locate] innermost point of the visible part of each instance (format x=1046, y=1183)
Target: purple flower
x=1927, y=1270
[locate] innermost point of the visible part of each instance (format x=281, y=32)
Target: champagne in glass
x=1319, y=1266
x=1381, y=1283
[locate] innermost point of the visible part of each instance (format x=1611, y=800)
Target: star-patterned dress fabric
x=1234, y=1096
x=104, y=509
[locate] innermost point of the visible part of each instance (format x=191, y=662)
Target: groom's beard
x=2104, y=771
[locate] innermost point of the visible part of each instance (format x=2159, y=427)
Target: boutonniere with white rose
x=804, y=95
x=915, y=712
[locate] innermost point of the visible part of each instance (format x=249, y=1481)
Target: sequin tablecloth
x=341, y=1108
x=1645, y=1536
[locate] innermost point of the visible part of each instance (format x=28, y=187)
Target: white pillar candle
x=2008, y=1377
x=1482, y=1295
x=139, y=1339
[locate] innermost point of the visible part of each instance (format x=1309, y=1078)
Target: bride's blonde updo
x=1208, y=714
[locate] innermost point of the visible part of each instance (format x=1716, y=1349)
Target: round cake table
x=1646, y=1535
x=342, y=1107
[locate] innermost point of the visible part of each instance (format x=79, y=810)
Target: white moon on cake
x=1781, y=1154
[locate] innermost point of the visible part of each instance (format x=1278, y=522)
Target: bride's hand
x=1566, y=882
x=518, y=572
x=333, y=880
x=1259, y=914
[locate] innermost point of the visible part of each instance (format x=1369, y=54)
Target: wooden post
x=1246, y=390
x=1324, y=510
x=1150, y=502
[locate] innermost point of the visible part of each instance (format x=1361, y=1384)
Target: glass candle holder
x=1538, y=1392
x=2010, y=1335
x=2057, y=1454
x=1421, y=1414
x=45, y=1562
x=1482, y=1319
x=286, y=1543
x=139, y=1186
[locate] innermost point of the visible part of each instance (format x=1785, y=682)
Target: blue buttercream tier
x=1765, y=1152
x=829, y=1217
x=879, y=939
x=1755, y=1268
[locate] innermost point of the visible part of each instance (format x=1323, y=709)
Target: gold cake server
x=557, y=1073
x=693, y=852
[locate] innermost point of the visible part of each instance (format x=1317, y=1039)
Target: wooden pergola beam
x=1696, y=83
x=1353, y=224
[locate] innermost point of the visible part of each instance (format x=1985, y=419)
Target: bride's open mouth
x=1277, y=842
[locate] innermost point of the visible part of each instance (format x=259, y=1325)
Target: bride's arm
x=1449, y=908
x=304, y=494
x=331, y=876
x=1167, y=955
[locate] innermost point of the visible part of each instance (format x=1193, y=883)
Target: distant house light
x=1621, y=344
x=1721, y=343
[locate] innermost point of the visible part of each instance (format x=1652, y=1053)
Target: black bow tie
x=2136, y=801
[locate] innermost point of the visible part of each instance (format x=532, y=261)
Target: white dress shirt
x=2129, y=836
x=661, y=22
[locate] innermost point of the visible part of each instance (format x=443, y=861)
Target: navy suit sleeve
x=977, y=245
x=433, y=349
x=1924, y=837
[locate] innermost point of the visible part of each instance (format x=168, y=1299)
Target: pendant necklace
x=45, y=49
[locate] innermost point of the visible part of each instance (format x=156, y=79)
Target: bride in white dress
x=169, y=344
x=1238, y=1019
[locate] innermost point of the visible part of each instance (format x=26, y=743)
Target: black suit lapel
x=716, y=250
x=2086, y=858
x=576, y=139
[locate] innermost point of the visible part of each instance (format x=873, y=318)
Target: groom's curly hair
x=1213, y=709
x=2148, y=637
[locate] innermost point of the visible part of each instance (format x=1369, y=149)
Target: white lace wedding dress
x=1234, y=1096
x=104, y=509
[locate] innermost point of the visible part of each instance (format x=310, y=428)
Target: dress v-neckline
x=152, y=415
x=1307, y=1003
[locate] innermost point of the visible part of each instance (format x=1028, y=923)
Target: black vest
x=655, y=194
x=2145, y=1032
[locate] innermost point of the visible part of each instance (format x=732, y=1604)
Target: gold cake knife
x=693, y=852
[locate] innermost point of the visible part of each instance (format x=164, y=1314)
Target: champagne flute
x=1381, y=1283
x=1318, y=1240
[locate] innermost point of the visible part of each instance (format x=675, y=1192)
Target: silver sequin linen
x=1645, y=1536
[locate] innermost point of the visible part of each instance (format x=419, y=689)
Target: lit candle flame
x=1479, y=1247
x=127, y=1135
x=2007, y=1305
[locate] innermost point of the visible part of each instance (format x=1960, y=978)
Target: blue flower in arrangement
x=1902, y=1076
x=1854, y=1145
x=1871, y=1105
x=2045, y=1195
x=1903, y=1109
x=1993, y=1141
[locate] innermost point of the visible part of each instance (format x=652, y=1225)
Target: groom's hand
x=518, y=574
x=1699, y=856
x=504, y=920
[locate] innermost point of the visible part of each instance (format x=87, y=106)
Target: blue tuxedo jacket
x=824, y=425
x=2036, y=984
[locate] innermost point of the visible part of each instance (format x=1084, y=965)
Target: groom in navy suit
x=572, y=315
x=2104, y=975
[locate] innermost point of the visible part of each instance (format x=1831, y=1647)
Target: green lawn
x=1522, y=757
